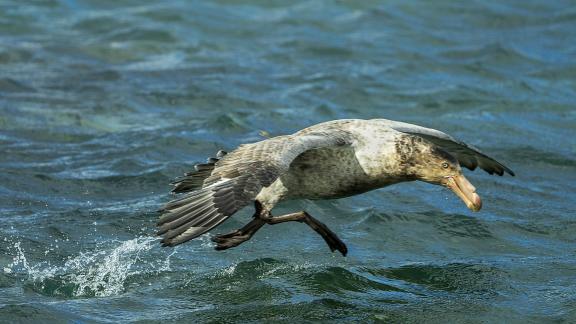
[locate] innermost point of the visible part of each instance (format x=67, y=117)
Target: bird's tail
x=196, y=213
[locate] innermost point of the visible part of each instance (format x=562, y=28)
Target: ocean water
x=103, y=103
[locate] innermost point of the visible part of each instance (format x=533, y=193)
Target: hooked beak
x=465, y=190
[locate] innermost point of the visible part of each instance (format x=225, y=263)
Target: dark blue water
x=103, y=103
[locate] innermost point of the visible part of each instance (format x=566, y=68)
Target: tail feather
x=179, y=211
x=198, y=212
x=179, y=202
x=187, y=235
x=176, y=231
x=195, y=180
x=184, y=217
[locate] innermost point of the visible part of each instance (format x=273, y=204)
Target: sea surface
x=103, y=103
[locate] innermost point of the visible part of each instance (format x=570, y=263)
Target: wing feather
x=218, y=189
x=195, y=180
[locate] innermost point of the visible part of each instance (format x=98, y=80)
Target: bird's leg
x=334, y=243
x=263, y=216
x=239, y=236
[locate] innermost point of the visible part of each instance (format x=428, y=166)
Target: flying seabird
x=330, y=160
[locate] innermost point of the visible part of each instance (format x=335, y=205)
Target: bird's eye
x=445, y=165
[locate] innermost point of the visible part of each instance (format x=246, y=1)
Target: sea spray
x=101, y=272
x=104, y=273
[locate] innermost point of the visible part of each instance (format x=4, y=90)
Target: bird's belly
x=329, y=173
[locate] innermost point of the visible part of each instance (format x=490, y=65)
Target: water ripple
x=103, y=103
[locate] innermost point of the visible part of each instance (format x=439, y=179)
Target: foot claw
x=333, y=241
x=217, y=239
x=229, y=242
x=341, y=247
x=227, y=235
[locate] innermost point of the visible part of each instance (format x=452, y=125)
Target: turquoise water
x=103, y=103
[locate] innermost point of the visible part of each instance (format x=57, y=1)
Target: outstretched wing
x=466, y=154
x=235, y=180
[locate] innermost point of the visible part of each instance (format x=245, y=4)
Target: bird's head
x=439, y=167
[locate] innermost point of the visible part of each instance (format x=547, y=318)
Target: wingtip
x=161, y=221
x=166, y=243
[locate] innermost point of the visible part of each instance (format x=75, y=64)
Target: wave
x=452, y=277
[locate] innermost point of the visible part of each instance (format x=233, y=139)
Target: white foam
x=102, y=272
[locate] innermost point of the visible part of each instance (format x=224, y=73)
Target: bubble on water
x=229, y=270
x=102, y=272
x=20, y=259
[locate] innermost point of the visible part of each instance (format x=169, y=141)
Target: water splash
x=102, y=272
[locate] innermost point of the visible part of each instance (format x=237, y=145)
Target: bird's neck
x=410, y=156
x=388, y=160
